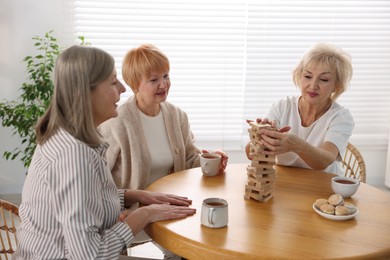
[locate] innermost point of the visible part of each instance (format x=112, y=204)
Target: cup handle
x=210, y=216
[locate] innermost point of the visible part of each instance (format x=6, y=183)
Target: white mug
x=210, y=163
x=214, y=213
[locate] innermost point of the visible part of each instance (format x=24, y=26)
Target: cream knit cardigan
x=128, y=154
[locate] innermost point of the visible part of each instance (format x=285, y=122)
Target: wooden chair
x=353, y=163
x=9, y=220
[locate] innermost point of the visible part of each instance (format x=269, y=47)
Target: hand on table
x=149, y=197
x=159, y=212
x=142, y=216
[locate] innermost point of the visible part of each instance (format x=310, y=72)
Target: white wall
x=20, y=20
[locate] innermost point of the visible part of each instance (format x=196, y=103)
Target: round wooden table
x=285, y=227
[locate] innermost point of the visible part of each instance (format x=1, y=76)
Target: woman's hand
x=149, y=197
x=264, y=132
x=142, y=216
x=166, y=212
x=317, y=158
x=277, y=142
x=123, y=215
x=224, y=159
x=263, y=121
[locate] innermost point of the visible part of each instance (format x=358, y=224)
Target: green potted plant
x=35, y=97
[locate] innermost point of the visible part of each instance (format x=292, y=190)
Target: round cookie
x=320, y=202
x=336, y=200
x=341, y=211
x=327, y=208
x=350, y=207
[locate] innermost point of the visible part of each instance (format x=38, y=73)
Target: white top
x=158, y=143
x=70, y=204
x=334, y=126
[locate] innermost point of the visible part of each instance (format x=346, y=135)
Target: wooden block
x=247, y=197
x=255, y=137
x=256, y=148
x=260, y=179
x=253, y=195
x=267, y=198
x=270, y=159
x=254, y=132
x=260, y=184
x=259, y=126
x=251, y=188
x=269, y=179
x=260, y=170
x=260, y=173
x=258, y=190
x=263, y=166
x=258, y=197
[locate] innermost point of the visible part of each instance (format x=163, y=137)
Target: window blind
x=230, y=60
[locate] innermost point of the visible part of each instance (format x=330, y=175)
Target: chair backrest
x=9, y=220
x=353, y=163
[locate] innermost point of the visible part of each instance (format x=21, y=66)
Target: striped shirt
x=70, y=204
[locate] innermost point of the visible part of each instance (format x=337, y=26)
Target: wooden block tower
x=261, y=173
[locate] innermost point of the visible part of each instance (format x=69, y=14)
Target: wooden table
x=285, y=227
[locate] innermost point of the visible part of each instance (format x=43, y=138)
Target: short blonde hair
x=141, y=62
x=332, y=57
x=78, y=71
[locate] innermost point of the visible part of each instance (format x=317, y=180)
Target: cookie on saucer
x=320, y=202
x=336, y=200
x=327, y=208
x=352, y=208
x=341, y=211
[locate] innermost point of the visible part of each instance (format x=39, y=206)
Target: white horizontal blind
x=205, y=43
x=230, y=60
x=279, y=32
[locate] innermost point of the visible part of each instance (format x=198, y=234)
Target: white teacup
x=214, y=213
x=210, y=162
x=345, y=186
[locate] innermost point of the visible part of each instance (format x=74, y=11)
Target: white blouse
x=158, y=144
x=334, y=126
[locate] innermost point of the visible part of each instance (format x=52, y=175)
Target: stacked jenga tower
x=261, y=173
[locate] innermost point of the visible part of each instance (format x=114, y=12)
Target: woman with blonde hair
x=316, y=129
x=71, y=208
